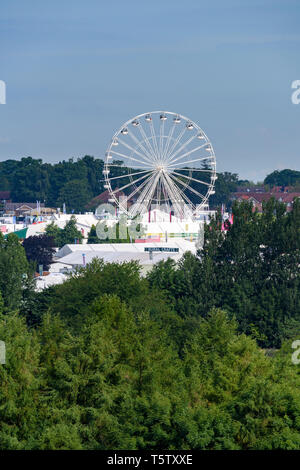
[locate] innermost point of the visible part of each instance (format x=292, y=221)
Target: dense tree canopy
x=283, y=178
x=225, y=185
x=69, y=234
x=71, y=182
x=40, y=250
x=118, y=374
x=77, y=182
x=179, y=359
x=14, y=271
x=252, y=271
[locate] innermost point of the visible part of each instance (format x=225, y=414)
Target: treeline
x=73, y=182
x=122, y=374
x=180, y=359
x=251, y=271
x=284, y=178
x=77, y=182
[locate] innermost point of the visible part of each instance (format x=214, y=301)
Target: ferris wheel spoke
x=189, y=152
x=196, y=169
x=164, y=189
x=169, y=137
x=167, y=190
x=172, y=187
x=180, y=194
x=130, y=174
x=147, y=183
x=179, y=137
x=118, y=165
x=154, y=140
x=188, y=187
x=146, y=139
x=175, y=196
x=182, y=147
x=191, y=178
x=151, y=189
x=129, y=184
x=138, y=188
x=160, y=190
x=130, y=158
x=146, y=188
x=139, y=144
x=185, y=198
x=144, y=157
x=174, y=179
x=143, y=197
x=191, y=161
x=144, y=194
x=134, y=168
x=161, y=133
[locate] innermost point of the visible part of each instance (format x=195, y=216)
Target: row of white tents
x=165, y=237
x=74, y=256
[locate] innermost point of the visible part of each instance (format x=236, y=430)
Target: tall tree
x=75, y=194
x=40, y=250
x=283, y=178
x=68, y=235
x=93, y=237
x=14, y=270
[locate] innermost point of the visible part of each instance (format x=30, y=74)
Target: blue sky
x=76, y=70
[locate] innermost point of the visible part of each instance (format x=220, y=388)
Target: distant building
x=70, y=257
x=41, y=211
x=258, y=198
x=252, y=189
x=282, y=189
x=20, y=209
x=103, y=198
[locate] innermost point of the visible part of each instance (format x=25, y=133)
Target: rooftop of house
x=102, y=199
x=15, y=206
x=259, y=197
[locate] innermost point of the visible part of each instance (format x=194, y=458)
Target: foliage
x=252, y=271
x=39, y=249
x=283, y=178
x=14, y=269
x=119, y=382
x=93, y=237
x=72, y=182
x=64, y=236
x=77, y=182
x=113, y=360
x=225, y=185
x=75, y=195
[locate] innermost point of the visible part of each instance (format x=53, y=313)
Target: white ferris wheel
x=160, y=159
